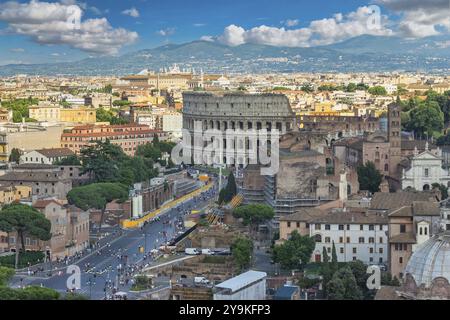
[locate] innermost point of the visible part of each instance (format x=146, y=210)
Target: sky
x=33, y=31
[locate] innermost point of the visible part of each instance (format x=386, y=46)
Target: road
x=120, y=258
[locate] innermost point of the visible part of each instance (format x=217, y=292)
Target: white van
x=201, y=280
x=207, y=252
x=191, y=251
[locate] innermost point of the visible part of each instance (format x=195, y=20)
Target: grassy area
x=25, y=259
x=225, y=171
x=142, y=283
x=214, y=259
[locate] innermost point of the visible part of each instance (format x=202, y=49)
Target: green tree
x=295, y=252
x=378, y=91
x=5, y=275
x=242, y=249
x=254, y=214
x=442, y=188
x=101, y=161
x=426, y=119
x=351, y=87
x=369, y=177
x=308, y=88
x=14, y=156
x=343, y=286
x=74, y=296
x=20, y=107
x=230, y=189
x=24, y=220
x=68, y=161
x=325, y=256
x=37, y=293
x=334, y=259
x=97, y=196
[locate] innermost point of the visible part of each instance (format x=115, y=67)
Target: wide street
x=117, y=260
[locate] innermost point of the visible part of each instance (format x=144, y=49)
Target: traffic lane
x=106, y=261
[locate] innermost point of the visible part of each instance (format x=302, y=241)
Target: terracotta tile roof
x=42, y=204
x=304, y=215
x=56, y=152
x=391, y=201
x=426, y=208
x=417, y=208
x=339, y=217
x=407, y=237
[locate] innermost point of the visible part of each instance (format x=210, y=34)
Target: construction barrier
x=137, y=223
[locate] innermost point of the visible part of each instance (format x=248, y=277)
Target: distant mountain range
x=360, y=54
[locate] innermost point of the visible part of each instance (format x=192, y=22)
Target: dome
x=430, y=261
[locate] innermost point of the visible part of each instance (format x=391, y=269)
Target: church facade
x=425, y=170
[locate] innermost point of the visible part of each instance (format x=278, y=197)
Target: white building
x=250, y=285
x=356, y=235
x=45, y=156
x=173, y=123
x=425, y=169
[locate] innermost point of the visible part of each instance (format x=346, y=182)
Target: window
x=327, y=227
x=341, y=227
x=289, y=224
x=426, y=172
x=400, y=260
x=328, y=249
x=371, y=240
x=327, y=240
x=298, y=224
x=380, y=250
x=371, y=227
x=402, y=228
x=361, y=227
x=341, y=250
x=361, y=239
x=348, y=227
x=370, y=250
x=318, y=238
x=348, y=239
x=317, y=226
x=381, y=240
x=371, y=259
x=341, y=239
x=354, y=250
x=420, y=231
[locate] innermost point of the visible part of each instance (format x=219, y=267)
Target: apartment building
x=356, y=234
x=128, y=136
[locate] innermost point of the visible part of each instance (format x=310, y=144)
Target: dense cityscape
x=194, y=181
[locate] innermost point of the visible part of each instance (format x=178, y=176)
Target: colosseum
x=237, y=111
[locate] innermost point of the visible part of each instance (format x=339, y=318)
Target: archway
x=426, y=187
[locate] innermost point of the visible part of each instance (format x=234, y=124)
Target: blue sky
x=36, y=31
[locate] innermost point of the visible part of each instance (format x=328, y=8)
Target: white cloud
x=320, y=32
x=291, y=22
x=17, y=50
x=61, y=23
x=207, y=38
x=132, y=12
x=420, y=18
x=166, y=32
x=199, y=24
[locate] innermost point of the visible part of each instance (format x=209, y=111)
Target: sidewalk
x=102, y=243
